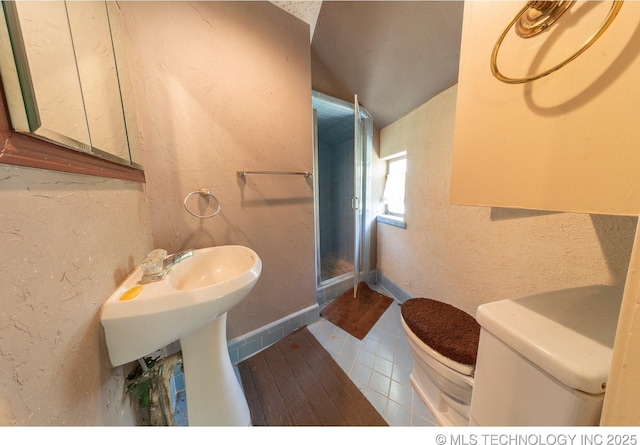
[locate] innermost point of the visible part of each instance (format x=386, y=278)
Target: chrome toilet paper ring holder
x=205, y=193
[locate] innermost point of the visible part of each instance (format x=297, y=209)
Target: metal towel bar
x=243, y=173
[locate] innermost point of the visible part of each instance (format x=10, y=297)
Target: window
x=393, y=197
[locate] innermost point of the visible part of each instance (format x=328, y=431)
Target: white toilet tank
x=544, y=359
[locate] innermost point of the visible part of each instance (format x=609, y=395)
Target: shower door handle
x=355, y=203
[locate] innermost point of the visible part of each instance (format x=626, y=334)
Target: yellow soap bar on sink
x=131, y=293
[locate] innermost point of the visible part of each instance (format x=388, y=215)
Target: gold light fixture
x=536, y=17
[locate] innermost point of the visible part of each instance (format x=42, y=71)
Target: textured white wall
x=67, y=243
x=223, y=86
x=466, y=255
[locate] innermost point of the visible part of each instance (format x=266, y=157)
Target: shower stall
x=342, y=152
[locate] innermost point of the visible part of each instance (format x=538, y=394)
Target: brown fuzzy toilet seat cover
x=444, y=328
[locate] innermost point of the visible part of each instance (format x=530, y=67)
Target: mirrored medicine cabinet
x=66, y=81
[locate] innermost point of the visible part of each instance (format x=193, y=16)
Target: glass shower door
x=341, y=144
x=356, y=203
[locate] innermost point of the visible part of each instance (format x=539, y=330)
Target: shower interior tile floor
x=332, y=266
x=379, y=365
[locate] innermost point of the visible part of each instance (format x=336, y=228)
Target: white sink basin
x=189, y=304
x=195, y=291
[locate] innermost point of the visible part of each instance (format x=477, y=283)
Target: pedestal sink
x=190, y=303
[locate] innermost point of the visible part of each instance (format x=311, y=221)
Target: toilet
x=444, y=344
x=542, y=359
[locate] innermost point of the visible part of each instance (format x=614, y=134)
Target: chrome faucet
x=156, y=268
x=176, y=258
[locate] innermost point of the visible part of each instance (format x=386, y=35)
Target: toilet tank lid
x=568, y=333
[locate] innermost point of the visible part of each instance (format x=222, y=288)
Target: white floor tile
x=379, y=383
x=401, y=374
x=360, y=373
x=383, y=366
x=379, y=365
x=398, y=415
x=378, y=401
x=400, y=394
x=366, y=358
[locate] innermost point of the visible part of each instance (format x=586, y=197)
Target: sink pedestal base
x=214, y=395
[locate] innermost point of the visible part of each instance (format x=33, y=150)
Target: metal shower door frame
x=363, y=147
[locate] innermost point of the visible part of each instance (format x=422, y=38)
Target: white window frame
x=394, y=191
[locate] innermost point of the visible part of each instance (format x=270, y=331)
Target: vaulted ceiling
x=395, y=55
